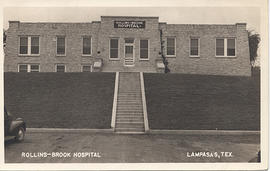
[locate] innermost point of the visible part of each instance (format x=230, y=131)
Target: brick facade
x=101, y=32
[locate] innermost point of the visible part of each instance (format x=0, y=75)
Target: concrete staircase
x=129, y=111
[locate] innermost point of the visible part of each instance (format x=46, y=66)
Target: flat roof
x=154, y=17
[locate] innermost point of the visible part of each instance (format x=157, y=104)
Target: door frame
x=133, y=53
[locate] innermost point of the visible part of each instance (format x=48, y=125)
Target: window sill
x=143, y=59
x=114, y=59
x=29, y=55
x=86, y=55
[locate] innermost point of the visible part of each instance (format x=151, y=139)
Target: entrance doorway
x=129, y=52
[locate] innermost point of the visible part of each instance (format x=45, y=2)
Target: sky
x=171, y=15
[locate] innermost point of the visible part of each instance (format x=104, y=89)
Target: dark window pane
x=60, y=45
x=231, y=52
x=23, y=49
x=22, y=68
x=87, y=45
x=194, y=47
x=23, y=45
x=194, y=42
x=170, y=42
x=23, y=41
x=230, y=47
x=231, y=43
x=60, y=68
x=86, y=51
x=114, y=43
x=170, y=46
x=60, y=50
x=170, y=51
x=34, y=45
x=144, y=53
x=194, y=52
x=129, y=40
x=114, y=53
x=34, y=68
x=143, y=43
x=34, y=41
x=86, y=68
x=220, y=51
x=128, y=49
x=220, y=47
x=34, y=49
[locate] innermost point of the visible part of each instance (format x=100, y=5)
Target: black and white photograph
x=140, y=85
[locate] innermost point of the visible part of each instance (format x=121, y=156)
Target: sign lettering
x=129, y=24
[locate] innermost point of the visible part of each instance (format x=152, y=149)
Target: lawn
x=198, y=102
x=60, y=100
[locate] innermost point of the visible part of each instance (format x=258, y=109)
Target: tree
x=253, y=40
x=164, y=60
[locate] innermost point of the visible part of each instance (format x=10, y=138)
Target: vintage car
x=15, y=128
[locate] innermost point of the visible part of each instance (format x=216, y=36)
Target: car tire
x=20, y=134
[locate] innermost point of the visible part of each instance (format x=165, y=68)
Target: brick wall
x=48, y=32
x=207, y=62
x=150, y=32
x=102, y=31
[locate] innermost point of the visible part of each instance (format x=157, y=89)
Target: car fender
x=15, y=125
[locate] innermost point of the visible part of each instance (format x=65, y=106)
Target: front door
x=129, y=52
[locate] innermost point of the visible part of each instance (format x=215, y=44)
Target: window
x=225, y=47
x=230, y=47
x=114, y=48
x=61, y=46
x=220, y=47
x=60, y=68
x=34, y=45
x=23, y=68
x=29, y=45
x=28, y=68
x=86, y=45
x=23, y=45
x=194, y=47
x=171, y=46
x=86, y=68
x=144, y=49
x=34, y=68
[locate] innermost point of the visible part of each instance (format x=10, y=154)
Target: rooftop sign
x=129, y=24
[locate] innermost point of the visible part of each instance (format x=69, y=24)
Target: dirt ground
x=119, y=148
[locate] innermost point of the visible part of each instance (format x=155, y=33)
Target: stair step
x=129, y=130
x=129, y=120
x=125, y=116
x=129, y=106
x=126, y=111
x=129, y=125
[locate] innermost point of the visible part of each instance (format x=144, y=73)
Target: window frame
x=118, y=49
x=171, y=37
x=148, y=50
x=60, y=65
x=225, y=39
x=91, y=67
x=90, y=45
x=28, y=45
x=199, y=47
x=59, y=36
x=28, y=66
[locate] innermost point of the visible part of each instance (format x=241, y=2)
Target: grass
x=60, y=100
x=192, y=102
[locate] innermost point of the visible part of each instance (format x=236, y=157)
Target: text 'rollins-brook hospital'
x=127, y=44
